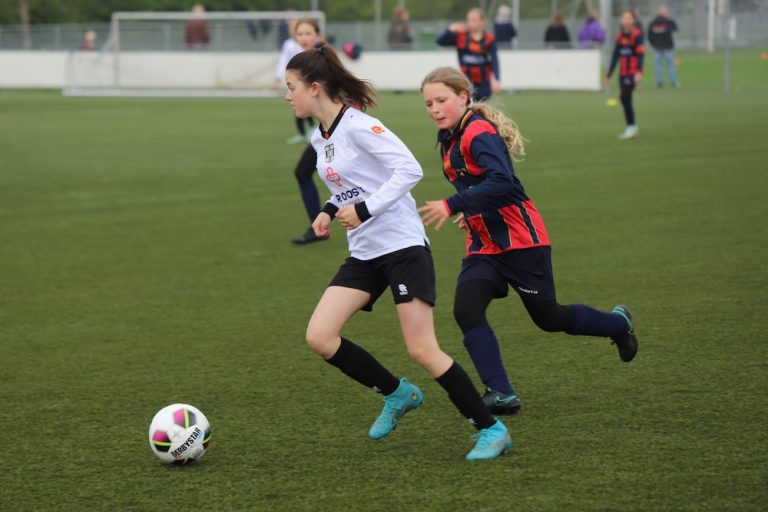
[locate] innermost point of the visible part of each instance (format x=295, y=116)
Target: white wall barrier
x=241, y=71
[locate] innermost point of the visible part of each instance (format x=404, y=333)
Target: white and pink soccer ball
x=179, y=434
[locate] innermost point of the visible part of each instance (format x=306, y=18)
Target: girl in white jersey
x=290, y=47
x=369, y=173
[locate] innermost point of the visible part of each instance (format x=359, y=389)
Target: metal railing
x=231, y=35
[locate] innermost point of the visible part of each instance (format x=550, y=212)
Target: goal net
x=226, y=54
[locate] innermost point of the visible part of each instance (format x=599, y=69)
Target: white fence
x=242, y=71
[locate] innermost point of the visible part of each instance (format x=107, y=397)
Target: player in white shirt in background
x=290, y=48
x=370, y=173
x=309, y=37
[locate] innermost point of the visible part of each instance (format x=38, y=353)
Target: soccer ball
x=179, y=434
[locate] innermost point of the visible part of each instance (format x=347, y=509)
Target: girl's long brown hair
x=323, y=66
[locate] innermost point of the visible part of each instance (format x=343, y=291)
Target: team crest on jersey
x=329, y=153
x=378, y=130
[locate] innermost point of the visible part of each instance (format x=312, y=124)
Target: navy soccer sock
x=591, y=322
x=483, y=348
x=311, y=198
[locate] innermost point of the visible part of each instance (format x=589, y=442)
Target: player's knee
x=300, y=175
x=321, y=340
x=468, y=317
x=548, y=320
x=546, y=324
x=423, y=354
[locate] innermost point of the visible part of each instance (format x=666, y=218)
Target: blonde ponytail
x=456, y=81
x=506, y=128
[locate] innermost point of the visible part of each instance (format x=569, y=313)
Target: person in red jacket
x=507, y=242
x=629, y=53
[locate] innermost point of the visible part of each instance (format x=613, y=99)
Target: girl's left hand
x=347, y=217
x=435, y=212
x=495, y=85
x=638, y=77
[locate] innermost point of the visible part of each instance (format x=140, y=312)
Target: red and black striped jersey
x=628, y=52
x=478, y=59
x=500, y=216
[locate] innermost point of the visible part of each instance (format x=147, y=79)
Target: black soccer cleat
x=627, y=342
x=308, y=237
x=501, y=403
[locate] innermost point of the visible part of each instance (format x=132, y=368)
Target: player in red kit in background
x=629, y=54
x=478, y=57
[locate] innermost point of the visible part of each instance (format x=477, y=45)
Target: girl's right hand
x=459, y=26
x=321, y=225
x=460, y=222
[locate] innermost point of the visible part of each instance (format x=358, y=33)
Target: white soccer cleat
x=630, y=132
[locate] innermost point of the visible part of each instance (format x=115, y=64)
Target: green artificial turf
x=145, y=259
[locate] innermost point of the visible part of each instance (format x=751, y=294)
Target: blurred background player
x=660, y=38
x=400, y=35
x=591, y=33
x=309, y=37
x=289, y=48
x=503, y=28
x=478, y=57
x=369, y=173
x=89, y=41
x=196, y=33
x=507, y=243
x=628, y=53
x=557, y=36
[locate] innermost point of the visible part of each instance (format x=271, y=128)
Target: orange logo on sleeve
x=378, y=130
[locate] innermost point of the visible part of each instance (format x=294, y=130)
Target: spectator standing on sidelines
x=591, y=33
x=196, y=33
x=478, y=58
x=89, y=41
x=503, y=28
x=557, y=35
x=660, y=36
x=400, y=34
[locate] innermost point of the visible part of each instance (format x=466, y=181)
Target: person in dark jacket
x=557, y=35
x=400, y=33
x=503, y=28
x=660, y=37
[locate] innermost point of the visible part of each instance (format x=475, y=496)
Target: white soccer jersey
x=361, y=160
x=289, y=49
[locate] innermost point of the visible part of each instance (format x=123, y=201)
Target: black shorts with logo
x=409, y=273
x=528, y=271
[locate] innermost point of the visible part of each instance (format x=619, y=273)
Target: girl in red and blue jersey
x=478, y=57
x=507, y=242
x=629, y=53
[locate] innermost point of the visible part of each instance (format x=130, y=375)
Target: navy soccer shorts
x=527, y=271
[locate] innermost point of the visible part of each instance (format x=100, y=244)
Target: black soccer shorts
x=409, y=273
